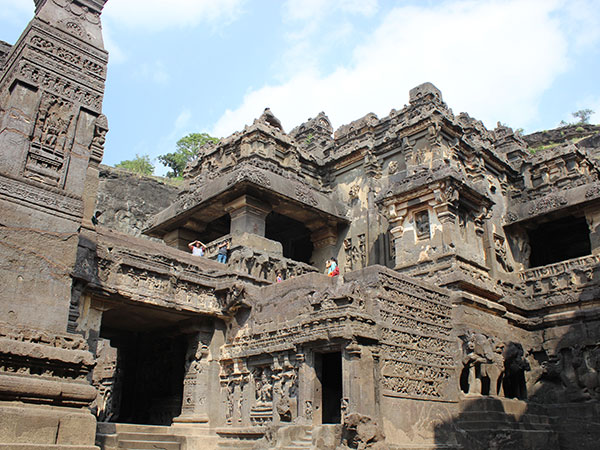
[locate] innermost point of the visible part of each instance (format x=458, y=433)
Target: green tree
x=186, y=150
x=583, y=115
x=140, y=164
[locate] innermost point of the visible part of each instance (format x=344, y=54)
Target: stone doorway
x=329, y=374
x=149, y=374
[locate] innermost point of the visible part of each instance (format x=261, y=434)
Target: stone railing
x=265, y=265
x=258, y=263
x=569, y=274
x=212, y=248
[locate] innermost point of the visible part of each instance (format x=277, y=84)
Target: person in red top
x=333, y=269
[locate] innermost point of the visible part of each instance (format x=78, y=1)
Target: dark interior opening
x=293, y=236
x=216, y=229
x=331, y=387
x=559, y=240
x=150, y=376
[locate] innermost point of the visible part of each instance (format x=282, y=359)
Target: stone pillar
x=308, y=389
x=396, y=220
x=248, y=215
x=592, y=216
x=324, y=238
x=238, y=394
x=276, y=382
x=358, y=393
x=195, y=383
x=304, y=398
x=180, y=238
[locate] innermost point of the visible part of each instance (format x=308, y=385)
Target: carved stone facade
x=465, y=314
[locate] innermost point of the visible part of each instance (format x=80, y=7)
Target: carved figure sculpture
x=515, y=366
x=483, y=365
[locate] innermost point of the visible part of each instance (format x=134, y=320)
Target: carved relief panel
x=47, y=159
x=422, y=226
x=355, y=252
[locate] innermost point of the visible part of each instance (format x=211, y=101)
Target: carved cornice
x=42, y=197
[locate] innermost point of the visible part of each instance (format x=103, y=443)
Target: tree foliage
x=583, y=115
x=187, y=149
x=140, y=164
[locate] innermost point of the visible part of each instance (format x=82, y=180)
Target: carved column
x=242, y=392
x=307, y=380
x=324, y=238
x=195, y=393
x=396, y=220
x=359, y=382
x=180, y=238
x=277, y=388
x=248, y=215
x=303, y=394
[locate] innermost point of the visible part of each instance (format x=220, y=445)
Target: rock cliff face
x=128, y=201
x=557, y=136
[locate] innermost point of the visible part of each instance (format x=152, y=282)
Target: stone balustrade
x=573, y=273
x=258, y=263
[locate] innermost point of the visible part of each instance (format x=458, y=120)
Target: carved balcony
x=257, y=263
x=562, y=282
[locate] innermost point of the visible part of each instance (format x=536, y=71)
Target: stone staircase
x=301, y=442
x=491, y=423
x=120, y=436
x=577, y=425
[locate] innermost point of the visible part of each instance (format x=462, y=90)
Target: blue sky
x=182, y=66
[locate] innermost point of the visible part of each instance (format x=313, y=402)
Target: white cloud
x=155, y=72
x=493, y=59
x=583, y=22
x=156, y=15
x=312, y=10
x=115, y=53
x=183, y=120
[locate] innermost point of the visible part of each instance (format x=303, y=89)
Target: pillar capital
x=248, y=215
x=323, y=237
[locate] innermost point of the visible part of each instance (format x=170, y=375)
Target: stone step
x=530, y=439
x=145, y=445
x=237, y=445
x=112, y=428
x=155, y=437
x=493, y=425
x=427, y=447
x=492, y=416
x=16, y=446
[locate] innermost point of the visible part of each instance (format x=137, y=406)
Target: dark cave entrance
x=148, y=374
x=559, y=240
x=293, y=236
x=329, y=373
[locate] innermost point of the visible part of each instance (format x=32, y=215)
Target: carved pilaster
x=195, y=408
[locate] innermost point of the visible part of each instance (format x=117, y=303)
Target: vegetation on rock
x=140, y=164
x=187, y=149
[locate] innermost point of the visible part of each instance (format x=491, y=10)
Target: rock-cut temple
x=465, y=315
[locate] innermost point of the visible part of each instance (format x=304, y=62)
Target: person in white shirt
x=197, y=248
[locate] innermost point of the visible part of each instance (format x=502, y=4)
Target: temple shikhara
x=466, y=313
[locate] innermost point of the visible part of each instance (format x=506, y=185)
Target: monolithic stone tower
x=51, y=142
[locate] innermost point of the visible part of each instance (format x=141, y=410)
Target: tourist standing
x=222, y=253
x=197, y=248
